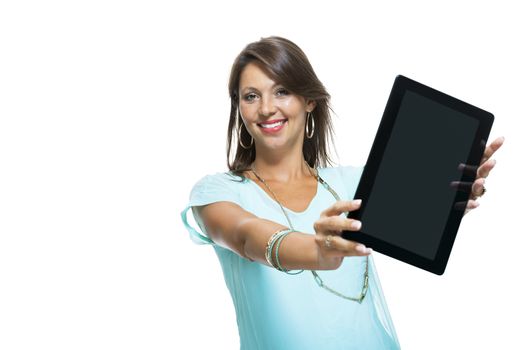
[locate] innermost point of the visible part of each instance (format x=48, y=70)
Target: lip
x=272, y=121
x=274, y=129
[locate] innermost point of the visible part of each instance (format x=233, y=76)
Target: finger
x=468, y=169
x=492, y=148
x=485, y=168
x=466, y=206
x=462, y=186
x=340, y=207
x=350, y=248
x=477, y=187
x=338, y=246
x=336, y=224
x=460, y=206
x=472, y=204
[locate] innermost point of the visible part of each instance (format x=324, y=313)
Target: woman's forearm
x=297, y=251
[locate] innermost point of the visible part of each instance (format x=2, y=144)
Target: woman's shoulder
x=342, y=171
x=216, y=186
x=342, y=178
x=211, y=188
x=220, y=177
x=217, y=181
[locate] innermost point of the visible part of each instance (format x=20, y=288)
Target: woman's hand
x=487, y=164
x=332, y=248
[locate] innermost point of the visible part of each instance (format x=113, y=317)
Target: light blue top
x=280, y=311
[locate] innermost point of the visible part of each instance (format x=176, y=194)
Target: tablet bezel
x=401, y=85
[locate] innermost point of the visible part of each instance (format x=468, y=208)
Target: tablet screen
x=412, y=192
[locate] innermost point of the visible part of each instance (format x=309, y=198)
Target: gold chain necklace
x=317, y=278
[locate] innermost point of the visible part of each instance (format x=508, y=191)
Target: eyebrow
x=251, y=88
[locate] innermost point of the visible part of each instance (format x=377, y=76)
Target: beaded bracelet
x=271, y=243
x=276, y=240
x=279, y=267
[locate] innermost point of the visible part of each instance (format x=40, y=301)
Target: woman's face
x=273, y=116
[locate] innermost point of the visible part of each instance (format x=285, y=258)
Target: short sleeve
x=219, y=187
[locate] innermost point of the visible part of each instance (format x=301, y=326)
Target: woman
x=275, y=219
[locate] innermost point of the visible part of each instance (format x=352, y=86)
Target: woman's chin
x=275, y=145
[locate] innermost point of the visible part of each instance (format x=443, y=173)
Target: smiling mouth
x=272, y=124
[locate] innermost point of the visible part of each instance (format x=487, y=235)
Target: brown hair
x=286, y=64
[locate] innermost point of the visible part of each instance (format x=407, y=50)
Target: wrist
x=298, y=251
x=325, y=261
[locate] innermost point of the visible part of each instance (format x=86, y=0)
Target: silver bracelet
x=271, y=243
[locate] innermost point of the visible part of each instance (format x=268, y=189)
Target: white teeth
x=273, y=125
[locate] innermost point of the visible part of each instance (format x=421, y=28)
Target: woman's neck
x=282, y=169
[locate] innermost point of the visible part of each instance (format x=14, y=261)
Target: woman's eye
x=282, y=92
x=250, y=97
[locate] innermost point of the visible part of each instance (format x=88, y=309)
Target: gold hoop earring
x=310, y=133
x=239, y=134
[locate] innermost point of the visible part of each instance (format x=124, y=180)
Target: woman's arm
x=231, y=227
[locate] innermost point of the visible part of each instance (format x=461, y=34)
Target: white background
x=110, y=112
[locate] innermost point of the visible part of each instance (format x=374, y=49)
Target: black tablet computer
x=418, y=176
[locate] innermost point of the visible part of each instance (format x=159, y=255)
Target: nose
x=267, y=107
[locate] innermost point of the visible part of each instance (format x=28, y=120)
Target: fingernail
x=360, y=248
x=369, y=250
x=356, y=225
x=357, y=201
